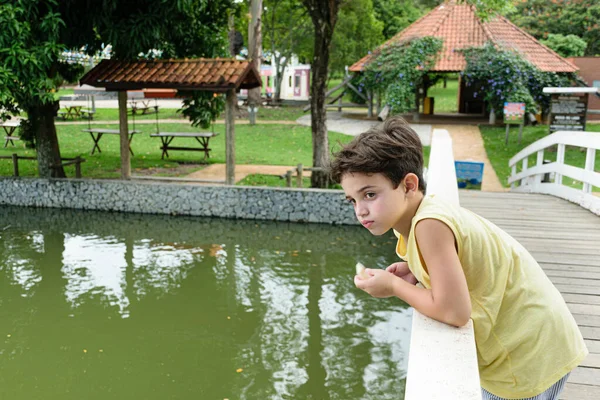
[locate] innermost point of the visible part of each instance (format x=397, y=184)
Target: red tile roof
x=459, y=27
x=216, y=75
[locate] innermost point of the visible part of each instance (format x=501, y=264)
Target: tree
x=255, y=48
x=396, y=15
x=541, y=18
x=324, y=15
x=566, y=46
x=33, y=33
x=356, y=32
x=287, y=27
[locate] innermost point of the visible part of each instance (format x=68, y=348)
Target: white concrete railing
x=530, y=179
x=442, y=360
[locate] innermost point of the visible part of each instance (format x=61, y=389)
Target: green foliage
x=34, y=33
x=541, y=18
x=202, y=108
x=506, y=77
x=397, y=14
x=566, y=46
x=356, y=32
x=399, y=69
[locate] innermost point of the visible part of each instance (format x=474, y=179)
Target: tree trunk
x=324, y=15
x=255, y=48
x=279, y=73
x=46, y=141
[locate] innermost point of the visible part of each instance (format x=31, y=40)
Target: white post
x=590, y=160
x=560, y=160
x=539, y=163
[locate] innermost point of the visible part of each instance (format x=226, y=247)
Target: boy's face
x=377, y=205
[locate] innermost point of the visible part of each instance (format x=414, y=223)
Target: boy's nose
x=361, y=210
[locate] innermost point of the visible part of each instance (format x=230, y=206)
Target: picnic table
x=97, y=134
x=202, y=138
x=70, y=112
x=9, y=128
x=144, y=108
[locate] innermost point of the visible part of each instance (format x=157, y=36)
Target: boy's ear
x=410, y=183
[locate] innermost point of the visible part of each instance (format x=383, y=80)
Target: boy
x=527, y=340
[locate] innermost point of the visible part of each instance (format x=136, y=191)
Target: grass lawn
x=259, y=144
x=446, y=100
x=499, y=153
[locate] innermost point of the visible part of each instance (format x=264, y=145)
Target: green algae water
x=127, y=306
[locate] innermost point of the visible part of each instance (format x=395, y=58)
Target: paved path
x=217, y=171
x=346, y=124
x=467, y=145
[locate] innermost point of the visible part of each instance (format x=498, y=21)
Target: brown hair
x=392, y=148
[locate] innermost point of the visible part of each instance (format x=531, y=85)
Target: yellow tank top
x=526, y=337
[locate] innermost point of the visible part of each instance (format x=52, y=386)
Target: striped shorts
x=551, y=394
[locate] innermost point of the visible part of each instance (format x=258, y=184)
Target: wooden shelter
x=459, y=27
x=215, y=75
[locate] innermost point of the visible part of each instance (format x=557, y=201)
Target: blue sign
x=469, y=174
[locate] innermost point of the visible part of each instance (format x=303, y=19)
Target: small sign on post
x=469, y=174
x=514, y=114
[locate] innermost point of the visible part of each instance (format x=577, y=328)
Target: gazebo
x=459, y=27
x=215, y=75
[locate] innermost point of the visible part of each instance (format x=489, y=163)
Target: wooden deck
x=565, y=239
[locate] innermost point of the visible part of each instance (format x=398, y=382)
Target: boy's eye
x=369, y=195
x=351, y=201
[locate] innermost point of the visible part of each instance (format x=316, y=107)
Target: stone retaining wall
x=297, y=205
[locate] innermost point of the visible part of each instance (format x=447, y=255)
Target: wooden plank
x=577, y=281
x=567, y=267
x=585, y=376
x=587, y=320
x=591, y=333
x=573, y=274
x=575, y=289
x=592, y=361
x=593, y=346
x=581, y=298
x=574, y=391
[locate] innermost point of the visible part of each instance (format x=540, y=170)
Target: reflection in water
x=129, y=306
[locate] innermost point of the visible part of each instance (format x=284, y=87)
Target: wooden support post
x=78, y=167
x=230, y=105
x=520, y=132
x=124, y=135
x=288, y=178
x=340, y=104
x=299, y=176
x=15, y=158
x=506, y=138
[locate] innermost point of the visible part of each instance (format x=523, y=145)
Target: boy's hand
x=401, y=270
x=378, y=284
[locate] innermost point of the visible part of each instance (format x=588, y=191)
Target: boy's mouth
x=366, y=224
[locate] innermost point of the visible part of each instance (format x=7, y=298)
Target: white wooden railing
x=531, y=179
x=442, y=360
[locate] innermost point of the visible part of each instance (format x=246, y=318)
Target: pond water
x=126, y=306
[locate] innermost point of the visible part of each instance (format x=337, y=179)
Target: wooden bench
x=96, y=135
x=9, y=128
x=202, y=138
x=89, y=114
x=144, y=109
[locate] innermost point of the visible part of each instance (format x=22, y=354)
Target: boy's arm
x=448, y=299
